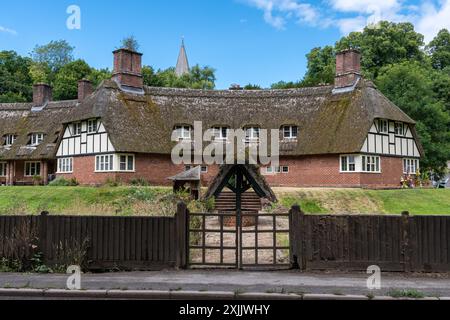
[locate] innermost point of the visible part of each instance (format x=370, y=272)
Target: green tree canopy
x=130, y=43
x=439, y=49
x=15, y=79
x=55, y=54
x=66, y=80
x=197, y=78
x=321, y=66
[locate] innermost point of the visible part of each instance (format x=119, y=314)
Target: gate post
x=181, y=230
x=296, y=237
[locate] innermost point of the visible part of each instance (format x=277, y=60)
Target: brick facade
x=309, y=171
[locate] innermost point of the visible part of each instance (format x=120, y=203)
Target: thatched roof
x=22, y=120
x=328, y=124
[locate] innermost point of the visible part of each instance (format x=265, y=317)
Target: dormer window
x=36, y=139
x=399, y=128
x=290, y=132
x=10, y=139
x=252, y=134
x=183, y=132
x=77, y=128
x=383, y=126
x=92, y=126
x=220, y=133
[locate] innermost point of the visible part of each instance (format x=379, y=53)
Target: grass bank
x=160, y=201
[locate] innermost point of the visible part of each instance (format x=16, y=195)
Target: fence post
x=43, y=234
x=296, y=236
x=181, y=225
x=406, y=245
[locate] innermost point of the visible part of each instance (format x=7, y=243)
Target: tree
x=439, y=49
x=321, y=66
x=384, y=44
x=410, y=86
x=66, y=80
x=252, y=87
x=130, y=43
x=286, y=85
x=197, y=78
x=55, y=54
x=15, y=80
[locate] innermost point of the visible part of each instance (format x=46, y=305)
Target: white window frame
x=31, y=172
x=127, y=162
x=290, y=132
x=104, y=163
x=92, y=126
x=36, y=139
x=400, y=125
x=221, y=133
x=10, y=139
x=183, y=132
x=3, y=168
x=409, y=164
x=382, y=125
x=77, y=128
x=373, y=161
x=348, y=163
x=65, y=165
x=252, y=134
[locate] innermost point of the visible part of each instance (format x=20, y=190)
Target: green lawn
x=160, y=201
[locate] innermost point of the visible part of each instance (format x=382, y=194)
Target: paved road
x=238, y=281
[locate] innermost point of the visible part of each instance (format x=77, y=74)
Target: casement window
x=3, y=167
x=220, y=133
x=126, y=162
x=279, y=169
x=32, y=169
x=104, y=163
x=371, y=164
x=183, y=132
x=77, y=129
x=252, y=134
x=411, y=166
x=65, y=165
x=290, y=132
x=36, y=139
x=399, y=128
x=92, y=126
x=10, y=139
x=383, y=126
x=348, y=164
x=204, y=169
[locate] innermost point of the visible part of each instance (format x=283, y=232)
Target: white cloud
x=433, y=19
x=6, y=30
x=278, y=12
x=365, y=6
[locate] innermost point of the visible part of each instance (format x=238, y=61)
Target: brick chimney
x=348, y=68
x=42, y=93
x=85, y=88
x=128, y=68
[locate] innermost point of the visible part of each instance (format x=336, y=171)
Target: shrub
x=139, y=182
x=112, y=182
x=61, y=182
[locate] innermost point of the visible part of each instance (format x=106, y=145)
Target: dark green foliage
x=66, y=80
x=15, y=79
x=439, y=50
x=197, y=78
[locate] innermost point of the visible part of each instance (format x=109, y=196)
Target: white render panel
x=77, y=145
x=398, y=145
x=90, y=144
x=371, y=143
x=96, y=143
x=110, y=146
x=379, y=144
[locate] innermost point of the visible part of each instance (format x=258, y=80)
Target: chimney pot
x=348, y=68
x=128, y=68
x=85, y=89
x=42, y=93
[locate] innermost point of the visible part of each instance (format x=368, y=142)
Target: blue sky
x=247, y=41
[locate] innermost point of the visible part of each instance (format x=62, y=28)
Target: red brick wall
x=155, y=169
x=310, y=171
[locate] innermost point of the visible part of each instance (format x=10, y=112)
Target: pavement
x=206, y=284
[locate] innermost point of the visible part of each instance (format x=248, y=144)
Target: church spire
x=182, y=64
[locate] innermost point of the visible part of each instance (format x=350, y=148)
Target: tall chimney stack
x=128, y=68
x=42, y=93
x=348, y=68
x=85, y=88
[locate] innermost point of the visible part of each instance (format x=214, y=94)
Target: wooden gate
x=247, y=241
